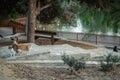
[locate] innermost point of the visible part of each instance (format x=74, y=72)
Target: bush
x=73, y=63
x=110, y=62
x=70, y=61
x=79, y=65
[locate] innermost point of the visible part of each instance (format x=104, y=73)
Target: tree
x=34, y=10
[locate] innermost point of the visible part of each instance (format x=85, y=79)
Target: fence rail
x=107, y=40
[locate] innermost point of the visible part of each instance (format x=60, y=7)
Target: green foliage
x=115, y=14
x=97, y=20
x=49, y=14
x=69, y=14
x=109, y=62
x=70, y=61
x=73, y=63
x=11, y=9
x=79, y=65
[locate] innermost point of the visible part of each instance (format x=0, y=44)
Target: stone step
x=46, y=62
x=40, y=63
x=35, y=61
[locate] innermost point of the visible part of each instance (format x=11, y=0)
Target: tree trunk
x=33, y=11
x=31, y=21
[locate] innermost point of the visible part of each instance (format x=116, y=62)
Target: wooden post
x=14, y=30
x=96, y=38
x=52, y=39
x=77, y=36
x=119, y=40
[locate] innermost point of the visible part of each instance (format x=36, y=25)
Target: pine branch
x=39, y=8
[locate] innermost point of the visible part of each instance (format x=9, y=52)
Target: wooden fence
x=107, y=40
x=17, y=27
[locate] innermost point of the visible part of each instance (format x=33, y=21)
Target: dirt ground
x=22, y=72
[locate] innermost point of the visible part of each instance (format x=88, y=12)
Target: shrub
x=70, y=61
x=110, y=62
x=73, y=63
x=79, y=65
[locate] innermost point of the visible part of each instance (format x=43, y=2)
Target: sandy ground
x=22, y=72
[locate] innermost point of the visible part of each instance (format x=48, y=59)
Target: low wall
x=81, y=44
